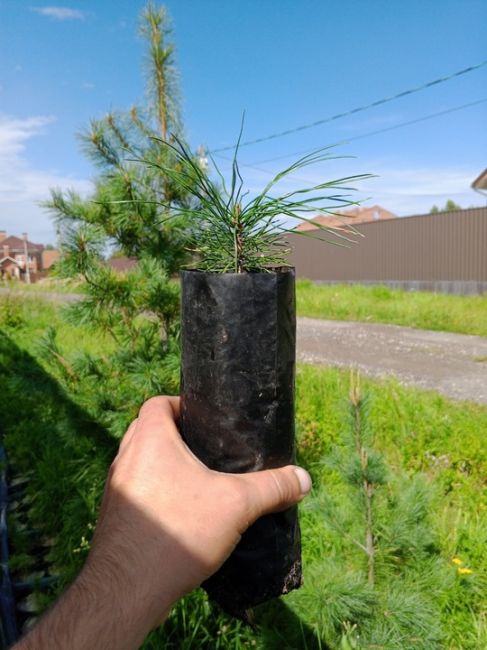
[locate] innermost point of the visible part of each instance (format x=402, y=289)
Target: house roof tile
x=122, y=264
x=16, y=244
x=341, y=219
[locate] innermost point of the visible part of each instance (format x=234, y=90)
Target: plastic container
x=237, y=412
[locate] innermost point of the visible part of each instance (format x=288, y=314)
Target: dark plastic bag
x=237, y=412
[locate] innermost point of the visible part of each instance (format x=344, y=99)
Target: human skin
x=166, y=524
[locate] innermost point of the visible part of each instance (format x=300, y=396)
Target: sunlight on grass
x=379, y=304
x=421, y=435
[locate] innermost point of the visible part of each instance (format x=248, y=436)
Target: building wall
x=448, y=247
x=49, y=257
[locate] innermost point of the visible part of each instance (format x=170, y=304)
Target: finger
x=161, y=405
x=128, y=436
x=175, y=402
x=157, y=424
x=159, y=411
x=273, y=490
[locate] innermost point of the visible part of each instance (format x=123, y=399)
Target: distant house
x=21, y=259
x=480, y=183
x=354, y=216
x=122, y=264
x=49, y=257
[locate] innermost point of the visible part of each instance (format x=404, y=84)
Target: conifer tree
x=383, y=580
x=135, y=212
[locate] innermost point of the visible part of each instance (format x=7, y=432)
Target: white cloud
x=22, y=187
x=60, y=13
x=405, y=190
x=408, y=191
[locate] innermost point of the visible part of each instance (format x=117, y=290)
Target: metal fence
x=446, y=251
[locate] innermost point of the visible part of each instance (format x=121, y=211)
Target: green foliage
x=430, y=511
x=449, y=206
x=380, y=304
x=430, y=514
x=161, y=73
x=60, y=450
x=138, y=213
x=229, y=234
x=380, y=588
x=11, y=315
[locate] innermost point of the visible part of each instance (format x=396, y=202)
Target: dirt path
x=454, y=365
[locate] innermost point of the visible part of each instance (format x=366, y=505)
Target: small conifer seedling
x=238, y=349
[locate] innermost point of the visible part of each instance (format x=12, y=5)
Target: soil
x=454, y=365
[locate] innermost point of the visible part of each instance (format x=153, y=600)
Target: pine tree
x=135, y=212
x=382, y=584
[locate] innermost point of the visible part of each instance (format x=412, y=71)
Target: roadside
x=454, y=365
x=52, y=296
x=381, y=304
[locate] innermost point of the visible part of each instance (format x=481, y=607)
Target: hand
x=167, y=523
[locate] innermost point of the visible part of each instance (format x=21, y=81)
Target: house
x=342, y=218
x=122, y=264
x=480, y=183
x=49, y=257
x=21, y=259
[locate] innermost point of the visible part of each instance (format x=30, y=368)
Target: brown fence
x=446, y=251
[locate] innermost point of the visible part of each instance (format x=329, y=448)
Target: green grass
x=379, y=304
x=50, y=284
x=28, y=317
x=369, y=304
x=421, y=435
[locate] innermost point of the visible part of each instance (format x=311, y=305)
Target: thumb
x=272, y=490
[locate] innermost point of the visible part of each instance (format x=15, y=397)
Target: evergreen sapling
x=383, y=582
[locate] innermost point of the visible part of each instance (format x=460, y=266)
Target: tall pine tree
x=136, y=212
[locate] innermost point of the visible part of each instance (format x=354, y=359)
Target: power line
x=365, y=135
x=353, y=111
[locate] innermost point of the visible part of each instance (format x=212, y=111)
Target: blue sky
x=285, y=63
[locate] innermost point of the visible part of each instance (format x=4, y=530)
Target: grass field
x=48, y=284
x=379, y=304
x=422, y=436
x=370, y=304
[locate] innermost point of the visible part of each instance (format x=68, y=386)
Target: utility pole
x=26, y=254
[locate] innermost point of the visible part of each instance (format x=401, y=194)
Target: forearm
x=97, y=611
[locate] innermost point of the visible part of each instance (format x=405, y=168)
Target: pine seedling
x=384, y=582
x=230, y=233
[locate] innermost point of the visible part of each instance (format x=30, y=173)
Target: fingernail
x=304, y=479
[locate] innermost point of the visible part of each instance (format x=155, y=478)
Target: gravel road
x=454, y=365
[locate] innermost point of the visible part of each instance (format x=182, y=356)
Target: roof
x=9, y=259
x=480, y=183
x=16, y=244
x=356, y=215
x=122, y=264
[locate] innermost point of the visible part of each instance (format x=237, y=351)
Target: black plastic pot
x=237, y=412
